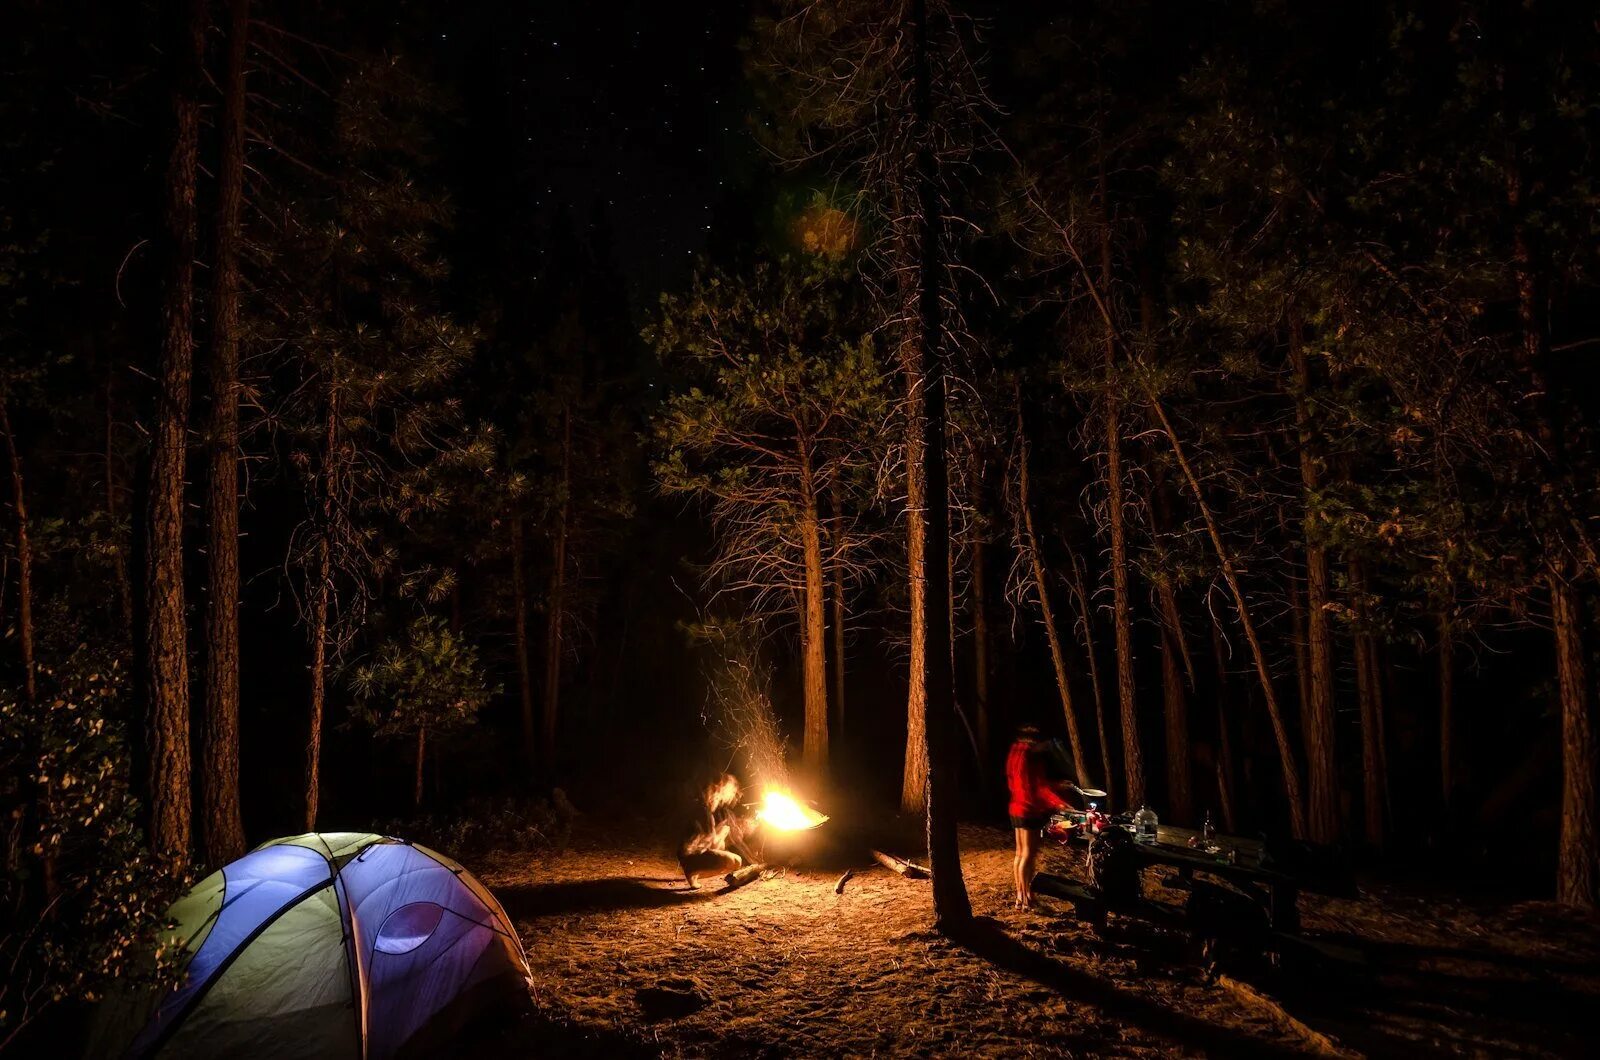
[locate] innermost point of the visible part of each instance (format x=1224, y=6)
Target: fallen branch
x=849, y=874
x=739, y=877
x=909, y=869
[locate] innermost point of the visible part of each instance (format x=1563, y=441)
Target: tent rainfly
x=330, y=944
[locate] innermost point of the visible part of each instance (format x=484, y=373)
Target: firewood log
x=739, y=877
x=909, y=869
x=849, y=874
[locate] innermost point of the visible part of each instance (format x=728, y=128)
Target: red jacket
x=1031, y=793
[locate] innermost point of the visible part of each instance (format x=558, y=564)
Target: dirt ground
x=786, y=967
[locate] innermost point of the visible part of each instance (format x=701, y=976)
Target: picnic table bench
x=1241, y=861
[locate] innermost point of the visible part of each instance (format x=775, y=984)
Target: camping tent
x=331, y=944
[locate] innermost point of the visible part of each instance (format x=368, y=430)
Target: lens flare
x=782, y=811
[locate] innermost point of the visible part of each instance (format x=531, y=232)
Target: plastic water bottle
x=1208, y=830
x=1144, y=825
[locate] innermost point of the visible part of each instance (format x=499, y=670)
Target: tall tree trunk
x=19, y=511
x=1321, y=767
x=322, y=601
x=553, y=643
x=1447, y=709
x=836, y=509
x=914, y=781
x=1280, y=731
x=1041, y=586
x=166, y=659
x=814, y=747
x=980, y=635
x=422, y=750
x=1224, y=734
x=1369, y=694
x=1121, y=608
x=519, y=603
x=1230, y=574
x=951, y=908
x=1085, y=630
x=1180, y=790
x=222, y=823
x=1578, y=874
x=1578, y=854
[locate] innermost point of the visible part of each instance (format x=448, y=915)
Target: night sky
x=634, y=121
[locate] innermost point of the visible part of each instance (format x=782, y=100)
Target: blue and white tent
x=331, y=944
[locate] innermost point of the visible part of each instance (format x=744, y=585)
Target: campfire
x=784, y=813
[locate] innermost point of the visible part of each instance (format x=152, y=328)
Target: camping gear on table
x=331, y=944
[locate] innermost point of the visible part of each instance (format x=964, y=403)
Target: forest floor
x=786, y=967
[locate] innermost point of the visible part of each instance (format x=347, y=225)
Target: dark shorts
x=1031, y=823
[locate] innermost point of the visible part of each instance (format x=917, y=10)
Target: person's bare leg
x=1021, y=835
x=1030, y=855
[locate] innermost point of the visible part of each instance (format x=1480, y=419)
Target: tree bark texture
x=166, y=661
x=836, y=510
x=951, y=908
x=1321, y=765
x=914, y=782
x=814, y=744
x=222, y=823
x=1369, y=696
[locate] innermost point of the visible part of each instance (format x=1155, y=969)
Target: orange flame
x=782, y=811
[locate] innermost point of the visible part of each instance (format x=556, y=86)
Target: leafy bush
x=82, y=897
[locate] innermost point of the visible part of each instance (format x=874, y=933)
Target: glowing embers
x=781, y=811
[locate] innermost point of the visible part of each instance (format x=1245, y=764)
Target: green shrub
x=82, y=898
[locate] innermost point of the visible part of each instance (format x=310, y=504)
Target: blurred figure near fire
x=715, y=843
x=1033, y=798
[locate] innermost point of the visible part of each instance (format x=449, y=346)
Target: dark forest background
x=551, y=385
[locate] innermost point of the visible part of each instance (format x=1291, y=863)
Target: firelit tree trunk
x=165, y=643
x=1175, y=701
x=836, y=510
x=1321, y=768
x=1121, y=608
x=1578, y=855
x=1041, y=587
x=1578, y=875
x=914, y=783
x=814, y=747
x=980, y=637
x=322, y=602
x=1086, y=632
x=951, y=908
x=519, y=605
x=557, y=605
x=221, y=822
x=19, y=513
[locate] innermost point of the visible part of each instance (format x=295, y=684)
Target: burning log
x=849, y=874
x=909, y=869
x=739, y=877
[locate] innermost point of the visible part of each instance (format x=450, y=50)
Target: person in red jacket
x=1032, y=799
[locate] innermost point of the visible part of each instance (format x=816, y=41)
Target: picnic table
x=1239, y=860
